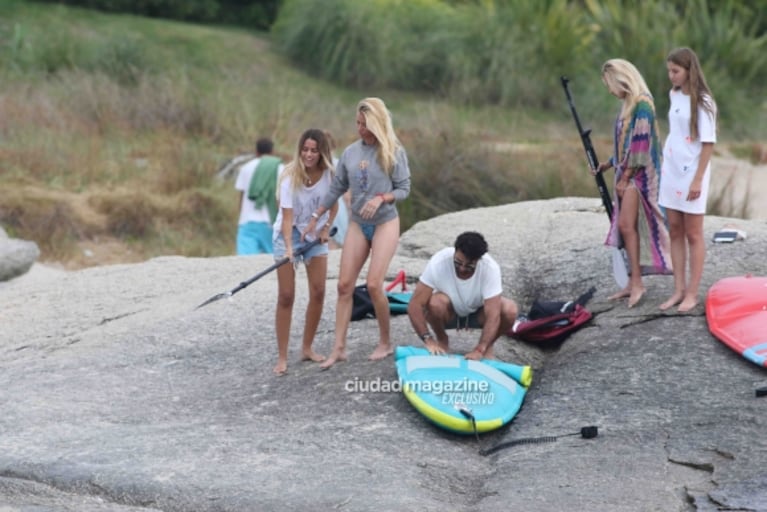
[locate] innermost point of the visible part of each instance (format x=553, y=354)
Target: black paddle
x=620, y=266
x=261, y=274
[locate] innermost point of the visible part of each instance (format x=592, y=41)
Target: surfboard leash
x=588, y=432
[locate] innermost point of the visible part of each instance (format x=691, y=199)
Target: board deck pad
x=736, y=312
x=439, y=386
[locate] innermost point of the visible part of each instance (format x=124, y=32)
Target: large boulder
x=16, y=256
x=117, y=394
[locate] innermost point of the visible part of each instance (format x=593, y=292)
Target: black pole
x=261, y=274
x=591, y=155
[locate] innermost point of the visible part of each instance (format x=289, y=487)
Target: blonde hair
x=378, y=122
x=687, y=59
x=295, y=170
x=622, y=76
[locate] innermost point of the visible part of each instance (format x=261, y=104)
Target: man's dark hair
x=471, y=244
x=264, y=146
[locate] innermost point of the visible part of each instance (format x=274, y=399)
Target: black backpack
x=552, y=321
x=363, y=306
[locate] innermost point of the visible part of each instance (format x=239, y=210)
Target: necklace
x=311, y=180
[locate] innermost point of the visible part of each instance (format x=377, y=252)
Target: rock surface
x=118, y=395
x=16, y=256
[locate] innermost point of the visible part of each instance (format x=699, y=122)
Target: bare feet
x=335, y=356
x=382, y=350
x=673, y=301
x=636, y=296
x=621, y=294
x=687, y=304
x=311, y=355
x=281, y=368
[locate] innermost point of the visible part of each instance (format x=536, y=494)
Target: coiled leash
x=588, y=432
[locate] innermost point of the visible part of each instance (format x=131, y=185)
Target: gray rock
x=118, y=394
x=16, y=256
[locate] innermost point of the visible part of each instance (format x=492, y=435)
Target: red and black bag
x=552, y=321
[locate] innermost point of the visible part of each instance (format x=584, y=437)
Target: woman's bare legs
x=627, y=223
x=678, y=248
x=316, y=272
x=384, y=246
x=353, y=255
x=693, y=233
x=285, y=296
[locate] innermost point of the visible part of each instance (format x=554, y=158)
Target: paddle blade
x=620, y=268
x=215, y=298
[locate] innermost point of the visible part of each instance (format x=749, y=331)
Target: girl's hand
x=310, y=228
x=371, y=207
x=602, y=168
x=289, y=253
x=695, y=188
x=621, y=187
x=325, y=233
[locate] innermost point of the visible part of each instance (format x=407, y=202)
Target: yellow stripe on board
x=447, y=420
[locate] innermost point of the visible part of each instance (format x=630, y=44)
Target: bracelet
x=425, y=336
x=315, y=215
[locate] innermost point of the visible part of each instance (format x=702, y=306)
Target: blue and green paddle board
x=440, y=387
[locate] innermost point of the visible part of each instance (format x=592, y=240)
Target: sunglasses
x=468, y=266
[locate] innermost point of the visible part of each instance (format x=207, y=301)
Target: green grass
x=112, y=129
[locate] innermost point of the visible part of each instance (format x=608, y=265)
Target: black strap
x=583, y=299
x=588, y=432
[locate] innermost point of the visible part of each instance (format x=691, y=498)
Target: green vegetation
x=512, y=52
x=113, y=127
x=258, y=14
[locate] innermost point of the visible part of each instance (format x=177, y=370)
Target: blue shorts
x=254, y=238
x=279, y=247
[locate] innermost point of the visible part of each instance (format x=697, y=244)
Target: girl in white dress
x=686, y=172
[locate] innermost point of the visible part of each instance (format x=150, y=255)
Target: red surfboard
x=736, y=311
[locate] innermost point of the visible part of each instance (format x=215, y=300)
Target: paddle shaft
x=280, y=263
x=261, y=274
x=620, y=264
x=591, y=155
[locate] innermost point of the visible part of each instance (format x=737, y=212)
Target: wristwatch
x=315, y=215
x=425, y=336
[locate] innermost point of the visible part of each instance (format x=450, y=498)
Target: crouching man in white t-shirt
x=461, y=288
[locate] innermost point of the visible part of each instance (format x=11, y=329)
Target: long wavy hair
x=700, y=94
x=622, y=76
x=378, y=122
x=295, y=171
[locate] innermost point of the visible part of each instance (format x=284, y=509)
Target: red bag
x=552, y=322
x=553, y=329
